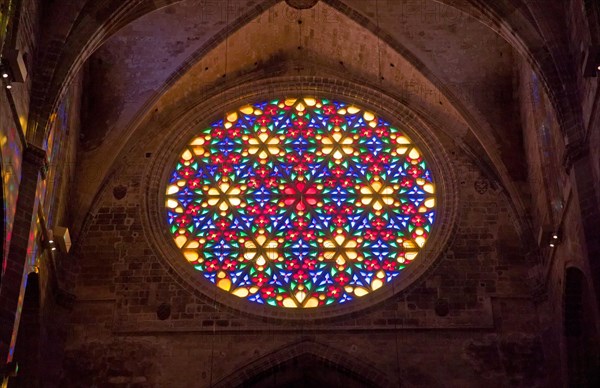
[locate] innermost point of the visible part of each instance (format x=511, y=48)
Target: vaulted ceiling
x=453, y=62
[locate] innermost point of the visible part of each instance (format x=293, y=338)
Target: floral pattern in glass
x=300, y=202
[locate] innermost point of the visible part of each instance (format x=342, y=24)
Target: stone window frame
x=183, y=125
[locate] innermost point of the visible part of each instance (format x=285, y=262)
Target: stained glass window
x=300, y=202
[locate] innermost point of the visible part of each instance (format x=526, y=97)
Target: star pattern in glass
x=300, y=202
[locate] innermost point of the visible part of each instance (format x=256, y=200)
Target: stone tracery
x=301, y=202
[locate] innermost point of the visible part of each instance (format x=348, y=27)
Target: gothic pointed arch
x=284, y=363
x=60, y=69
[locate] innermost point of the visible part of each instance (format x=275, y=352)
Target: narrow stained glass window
x=300, y=202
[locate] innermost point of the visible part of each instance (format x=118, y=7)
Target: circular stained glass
x=300, y=202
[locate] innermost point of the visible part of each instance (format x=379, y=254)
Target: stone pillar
x=578, y=160
x=14, y=273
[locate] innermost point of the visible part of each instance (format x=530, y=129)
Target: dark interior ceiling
x=436, y=58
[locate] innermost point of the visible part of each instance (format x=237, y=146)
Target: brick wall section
x=418, y=359
x=12, y=287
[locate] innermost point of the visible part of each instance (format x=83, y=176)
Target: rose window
x=300, y=202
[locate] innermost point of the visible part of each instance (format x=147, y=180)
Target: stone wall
x=14, y=108
x=564, y=184
x=469, y=320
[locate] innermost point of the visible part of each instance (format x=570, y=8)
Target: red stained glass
x=300, y=202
